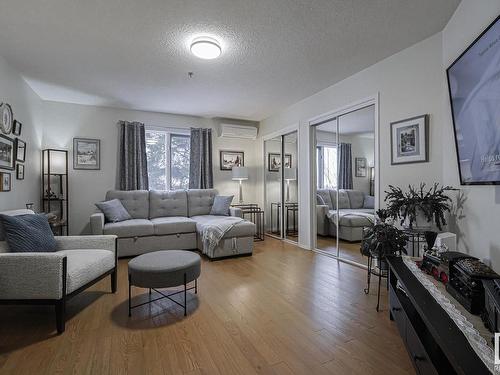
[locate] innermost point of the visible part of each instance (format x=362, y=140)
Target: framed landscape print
x=360, y=167
x=230, y=159
x=20, y=150
x=20, y=171
x=86, y=153
x=6, y=153
x=274, y=162
x=5, y=183
x=409, y=140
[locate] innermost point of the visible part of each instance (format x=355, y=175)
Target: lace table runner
x=471, y=325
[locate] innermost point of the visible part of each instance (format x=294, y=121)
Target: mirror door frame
x=330, y=116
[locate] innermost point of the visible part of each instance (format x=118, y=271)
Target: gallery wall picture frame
x=16, y=128
x=5, y=181
x=274, y=161
x=20, y=150
x=6, y=118
x=7, y=153
x=230, y=159
x=410, y=140
x=20, y=171
x=86, y=153
x=360, y=167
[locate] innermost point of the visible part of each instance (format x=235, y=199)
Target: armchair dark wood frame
x=60, y=304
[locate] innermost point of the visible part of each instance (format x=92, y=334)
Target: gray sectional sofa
x=166, y=220
x=356, y=211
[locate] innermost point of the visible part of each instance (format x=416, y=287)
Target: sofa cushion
x=200, y=201
x=166, y=203
x=356, y=198
x=343, y=199
x=21, y=211
x=327, y=199
x=173, y=225
x=136, y=202
x=130, y=228
x=113, y=211
x=356, y=218
x=86, y=265
x=28, y=233
x=242, y=229
x=221, y=205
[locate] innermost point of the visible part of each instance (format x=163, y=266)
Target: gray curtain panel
x=345, y=166
x=133, y=167
x=200, y=161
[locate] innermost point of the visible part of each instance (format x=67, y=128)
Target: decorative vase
x=420, y=222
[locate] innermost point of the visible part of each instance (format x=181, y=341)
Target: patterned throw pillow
x=28, y=233
x=221, y=205
x=113, y=211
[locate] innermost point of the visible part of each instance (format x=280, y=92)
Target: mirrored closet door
x=345, y=180
x=281, y=186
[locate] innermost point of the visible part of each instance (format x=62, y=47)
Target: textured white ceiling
x=134, y=54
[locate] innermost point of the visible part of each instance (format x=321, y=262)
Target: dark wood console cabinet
x=435, y=344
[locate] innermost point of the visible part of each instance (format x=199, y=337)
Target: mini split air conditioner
x=238, y=131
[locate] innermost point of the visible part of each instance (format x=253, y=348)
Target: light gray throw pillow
x=369, y=202
x=221, y=205
x=113, y=211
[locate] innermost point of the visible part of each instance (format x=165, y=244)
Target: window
x=326, y=160
x=168, y=159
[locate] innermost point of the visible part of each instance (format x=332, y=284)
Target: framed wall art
x=7, y=157
x=20, y=150
x=5, y=182
x=230, y=159
x=86, y=153
x=360, y=167
x=409, y=140
x=274, y=161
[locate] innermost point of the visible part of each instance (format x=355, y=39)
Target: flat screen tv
x=474, y=87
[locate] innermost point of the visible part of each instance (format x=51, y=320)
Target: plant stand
x=377, y=272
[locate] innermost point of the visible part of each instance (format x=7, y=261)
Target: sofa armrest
x=31, y=275
x=235, y=211
x=107, y=242
x=97, y=223
x=322, y=219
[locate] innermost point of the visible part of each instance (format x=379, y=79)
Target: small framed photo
x=86, y=153
x=360, y=167
x=20, y=150
x=230, y=159
x=409, y=140
x=20, y=171
x=5, y=183
x=274, y=162
x=16, y=128
x=7, y=149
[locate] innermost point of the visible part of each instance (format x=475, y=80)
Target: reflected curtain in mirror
x=345, y=166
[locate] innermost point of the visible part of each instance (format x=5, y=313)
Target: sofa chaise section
x=353, y=214
x=167, y=220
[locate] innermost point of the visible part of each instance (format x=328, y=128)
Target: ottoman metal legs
x=168, y=296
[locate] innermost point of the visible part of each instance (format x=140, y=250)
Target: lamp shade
x=56, y=160
x=240, y=173
x=290, y=174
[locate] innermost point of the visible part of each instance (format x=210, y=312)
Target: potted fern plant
x=419, y=208
x=381, y=240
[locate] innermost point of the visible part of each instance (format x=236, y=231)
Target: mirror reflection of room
x=345, y=188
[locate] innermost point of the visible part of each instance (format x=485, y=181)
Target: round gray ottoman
x=164, y=269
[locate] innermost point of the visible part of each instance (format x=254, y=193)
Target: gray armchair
x=54, y=278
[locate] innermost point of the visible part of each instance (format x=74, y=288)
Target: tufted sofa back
x=136, y=202
x=200, y=201
x=165, y=203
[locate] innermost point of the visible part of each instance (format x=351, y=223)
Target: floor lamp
x=240, y=174
x=290, y=175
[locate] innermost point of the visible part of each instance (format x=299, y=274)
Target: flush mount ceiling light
x=206, y=48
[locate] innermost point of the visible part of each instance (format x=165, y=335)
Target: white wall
x=478, y=228
x=408, y=84
x=66, y=121
x=27, y=107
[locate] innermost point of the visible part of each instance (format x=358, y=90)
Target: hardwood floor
x=348, y=250
x=282, y=311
